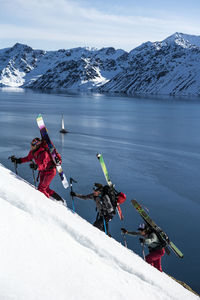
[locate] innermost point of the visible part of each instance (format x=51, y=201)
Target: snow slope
x=48, y=253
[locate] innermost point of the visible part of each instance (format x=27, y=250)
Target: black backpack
x=112, y=194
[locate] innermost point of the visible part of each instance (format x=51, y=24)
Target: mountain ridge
x=168, y=67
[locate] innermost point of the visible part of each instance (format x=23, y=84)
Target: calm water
x=150, y=146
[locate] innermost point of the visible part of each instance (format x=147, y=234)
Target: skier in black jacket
x=104, y=207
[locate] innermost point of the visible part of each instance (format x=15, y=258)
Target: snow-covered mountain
x=16, y=63
x=168, y=67
x=77, y=68
x=48, y=252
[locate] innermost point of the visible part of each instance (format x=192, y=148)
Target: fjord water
x=150, y=146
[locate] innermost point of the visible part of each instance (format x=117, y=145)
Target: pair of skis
x=109, y=182
x=52, y=150
x=161, y=234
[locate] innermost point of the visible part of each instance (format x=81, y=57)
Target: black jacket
x=103, y=204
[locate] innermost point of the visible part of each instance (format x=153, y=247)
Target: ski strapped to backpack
x=116, y=198
x=52, y=150
x=159, y=232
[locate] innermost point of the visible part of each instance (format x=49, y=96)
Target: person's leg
x=45, y=180
x=107, y=228
x=154, y=258
x=99, y=223
x=42, y=185
x=51, y=192
x=149, y=258
x=157, y=264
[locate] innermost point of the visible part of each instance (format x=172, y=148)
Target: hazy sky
x=64, y=24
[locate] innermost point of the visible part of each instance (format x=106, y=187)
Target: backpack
x=107, y=190
x=116, y=198
x=58, y=156
x=163, y=241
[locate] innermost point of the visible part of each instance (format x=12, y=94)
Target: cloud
x=68, y=21
x=60, y=12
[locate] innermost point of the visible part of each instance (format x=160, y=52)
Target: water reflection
x=12, y=89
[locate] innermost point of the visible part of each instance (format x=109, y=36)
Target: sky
x=48, y=252
x=64, y=24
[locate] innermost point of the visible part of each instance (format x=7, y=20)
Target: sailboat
x=63, y=130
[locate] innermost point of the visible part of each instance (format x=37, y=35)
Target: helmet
x=36, y=141
x=97, y=186
x=142, y=226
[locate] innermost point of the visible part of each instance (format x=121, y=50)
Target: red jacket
x=42, y=158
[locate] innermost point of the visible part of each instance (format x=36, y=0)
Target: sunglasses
x=34, y=143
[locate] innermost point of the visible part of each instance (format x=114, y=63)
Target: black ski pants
x=99, y=223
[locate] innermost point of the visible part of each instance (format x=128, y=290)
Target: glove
x=15, y=160
x=73, y=194
x=141, y=240
x=124, y=230
x=33, y=166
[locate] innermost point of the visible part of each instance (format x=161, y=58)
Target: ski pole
x=32, y=164
x=125, y=242
x=34, y=178
x=104, y=223
x=15, y=164
x=142, y=244
x=71, y=180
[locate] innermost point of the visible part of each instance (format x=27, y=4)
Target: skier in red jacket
x=45, y=165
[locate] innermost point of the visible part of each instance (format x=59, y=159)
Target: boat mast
x=62, y=123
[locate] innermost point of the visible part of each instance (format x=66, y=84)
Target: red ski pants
x=45, y=180
x=154, y=258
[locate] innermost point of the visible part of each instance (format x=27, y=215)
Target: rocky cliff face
x=168, y=67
